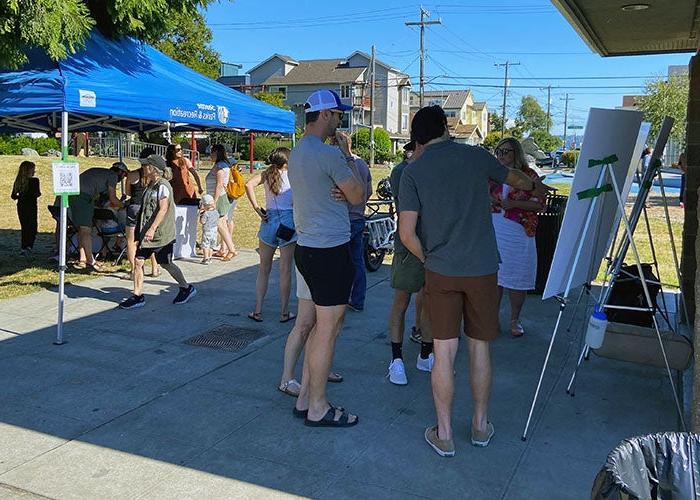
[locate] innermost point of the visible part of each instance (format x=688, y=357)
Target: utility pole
x=566, y=115
x=422, y=23
x=505, y=93
x=549, y=105
x=371, y=107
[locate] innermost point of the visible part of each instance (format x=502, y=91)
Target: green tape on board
x=64, y=200
x=605, y=161
x=593, y=192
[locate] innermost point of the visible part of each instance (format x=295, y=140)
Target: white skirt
x=518, y=267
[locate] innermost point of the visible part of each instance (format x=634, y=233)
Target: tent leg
x=251, y=145
x=62, y=238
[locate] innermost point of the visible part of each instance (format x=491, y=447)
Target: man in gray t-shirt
x=322, y=254
x=447, y=187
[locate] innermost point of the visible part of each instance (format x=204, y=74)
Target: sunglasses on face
x=178, y=150
x=339, y=113
x=503, y=151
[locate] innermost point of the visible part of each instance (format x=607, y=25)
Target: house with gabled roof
x=350, y=77
x=467, y=119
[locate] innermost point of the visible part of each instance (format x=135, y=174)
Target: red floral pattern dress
x=527, y=218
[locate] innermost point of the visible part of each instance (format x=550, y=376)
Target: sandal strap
x=290, y=382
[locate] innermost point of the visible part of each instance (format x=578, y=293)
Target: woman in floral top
x=515, y=222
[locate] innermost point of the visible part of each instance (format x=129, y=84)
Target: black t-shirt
x=29, y=195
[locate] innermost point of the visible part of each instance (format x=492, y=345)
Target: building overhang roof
x=615, y=28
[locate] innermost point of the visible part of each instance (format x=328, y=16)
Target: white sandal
x=290, y=388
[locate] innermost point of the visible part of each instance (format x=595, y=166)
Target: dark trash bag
x=550, y=219
x=658, y=466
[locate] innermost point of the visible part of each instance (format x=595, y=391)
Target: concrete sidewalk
x=125, y=409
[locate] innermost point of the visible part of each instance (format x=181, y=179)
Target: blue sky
x=475, y=35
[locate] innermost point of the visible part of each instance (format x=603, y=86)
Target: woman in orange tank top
x=183, y=190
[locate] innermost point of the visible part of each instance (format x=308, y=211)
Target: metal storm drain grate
x=226, y=338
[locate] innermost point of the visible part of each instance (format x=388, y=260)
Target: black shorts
x=132, y=214
x=164, y=255
x=328, y=272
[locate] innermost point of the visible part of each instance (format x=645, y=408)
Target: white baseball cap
x=324, y=99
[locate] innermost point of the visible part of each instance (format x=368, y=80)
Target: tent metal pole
x=251, y=146
x=62, y=238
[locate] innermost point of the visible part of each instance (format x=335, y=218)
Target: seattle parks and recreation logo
x=222, y=114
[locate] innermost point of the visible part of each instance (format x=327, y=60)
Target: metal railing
x=109, y=147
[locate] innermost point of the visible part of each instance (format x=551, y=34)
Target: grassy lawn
x=19, y=276
x=659, y=231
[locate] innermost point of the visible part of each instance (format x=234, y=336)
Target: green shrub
x=13, y=144
x=262, y=147
x=569, y=158
x=382, y=145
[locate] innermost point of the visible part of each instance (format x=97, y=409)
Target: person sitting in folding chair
x=156, y=230
x=110, y=226
x=93, y=182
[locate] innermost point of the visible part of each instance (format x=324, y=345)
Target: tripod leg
x=544, y=368
x=584, y=355
x=578, y=301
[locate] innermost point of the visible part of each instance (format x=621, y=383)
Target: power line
x=335, y=17
x=625, y=77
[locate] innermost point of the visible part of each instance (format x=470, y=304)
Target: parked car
x=547, y=162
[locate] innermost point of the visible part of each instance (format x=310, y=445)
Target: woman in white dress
x=514, y=214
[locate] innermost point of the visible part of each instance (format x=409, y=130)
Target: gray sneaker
x=443, y=447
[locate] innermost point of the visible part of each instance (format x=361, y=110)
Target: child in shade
x=25, y=191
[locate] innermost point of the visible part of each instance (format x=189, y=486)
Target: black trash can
x=657, y=466
x=550, y=219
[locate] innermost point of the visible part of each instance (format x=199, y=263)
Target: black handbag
x=285, y=233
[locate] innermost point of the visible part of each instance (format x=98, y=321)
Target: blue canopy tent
x=127, y=86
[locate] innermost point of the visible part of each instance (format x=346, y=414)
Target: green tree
x=61, y=27
x=666, y=98
x=275, y=99
x=492, y=139
x=495, y=122
x=494, y=136
x=188, y=40
x=531, y=116
x=545, y=140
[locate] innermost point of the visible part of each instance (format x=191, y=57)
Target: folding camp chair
x=109, y=234
x=71, y=229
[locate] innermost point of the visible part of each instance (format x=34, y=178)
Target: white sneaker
x=397, y=372
x=425, y=365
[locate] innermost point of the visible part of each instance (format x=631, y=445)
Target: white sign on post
x=66, y=177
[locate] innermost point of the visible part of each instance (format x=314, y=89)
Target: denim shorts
x=268, y=229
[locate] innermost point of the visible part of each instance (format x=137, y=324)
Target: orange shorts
x=453, y=298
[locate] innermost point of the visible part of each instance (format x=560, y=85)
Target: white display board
x=608, y=132
x=186, y=220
